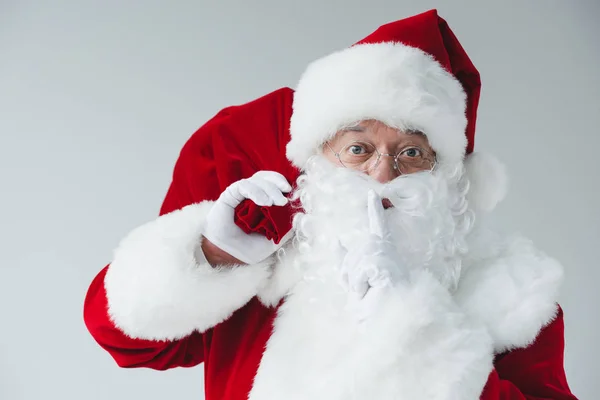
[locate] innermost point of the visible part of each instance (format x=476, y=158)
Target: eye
x=412, y=152
x=357, y=149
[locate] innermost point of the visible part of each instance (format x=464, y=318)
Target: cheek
x=328, y=155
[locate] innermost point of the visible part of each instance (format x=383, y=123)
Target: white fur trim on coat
x=285, y=275
x=511, y=287
x=160, y=286
x=399, y=85
x=419, y=345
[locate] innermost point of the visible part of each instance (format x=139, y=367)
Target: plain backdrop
x=97, y=98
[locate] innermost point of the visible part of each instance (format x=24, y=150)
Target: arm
x=131, y=353
x=216, y=256
x=150, y=306
x=129, y=303
x=161, y=287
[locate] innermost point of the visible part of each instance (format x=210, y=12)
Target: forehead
x=379, y=131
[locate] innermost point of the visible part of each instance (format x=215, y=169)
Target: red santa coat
x=221, y=318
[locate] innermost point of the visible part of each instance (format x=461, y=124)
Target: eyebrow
x=414, y=132
x=355, y=128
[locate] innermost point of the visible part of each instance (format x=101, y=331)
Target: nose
x=385, y=171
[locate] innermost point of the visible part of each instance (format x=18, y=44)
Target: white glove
x=372, y=268
x=265, y=188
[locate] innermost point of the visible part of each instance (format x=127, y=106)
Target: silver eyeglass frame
x=379, y=155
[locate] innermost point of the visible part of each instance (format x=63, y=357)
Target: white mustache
x=427, y=221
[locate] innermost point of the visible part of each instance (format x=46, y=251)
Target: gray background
x=97, y=98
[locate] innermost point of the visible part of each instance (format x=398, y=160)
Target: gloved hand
x=265, y=188
x=372, y=268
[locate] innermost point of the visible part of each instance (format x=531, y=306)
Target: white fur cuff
x=160, y=287
x=511, y=287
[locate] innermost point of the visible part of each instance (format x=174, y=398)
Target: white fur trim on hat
x=399, y=85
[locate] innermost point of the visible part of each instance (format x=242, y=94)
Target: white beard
x=428, y=223
x=318, y=349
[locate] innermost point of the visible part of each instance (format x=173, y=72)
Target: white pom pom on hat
x=488, y=181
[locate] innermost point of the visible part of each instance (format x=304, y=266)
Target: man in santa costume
x=329, y=243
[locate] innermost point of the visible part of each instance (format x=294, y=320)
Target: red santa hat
x=408, y=74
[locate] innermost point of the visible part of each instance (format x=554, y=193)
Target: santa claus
x=327, y=243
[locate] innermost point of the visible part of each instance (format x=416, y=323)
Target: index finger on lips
x=377, y=222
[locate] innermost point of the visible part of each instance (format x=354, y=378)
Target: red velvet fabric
x=533, y=373
x=236, y=143
x=273, y=222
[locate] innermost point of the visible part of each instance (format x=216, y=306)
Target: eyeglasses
x=365, y=157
